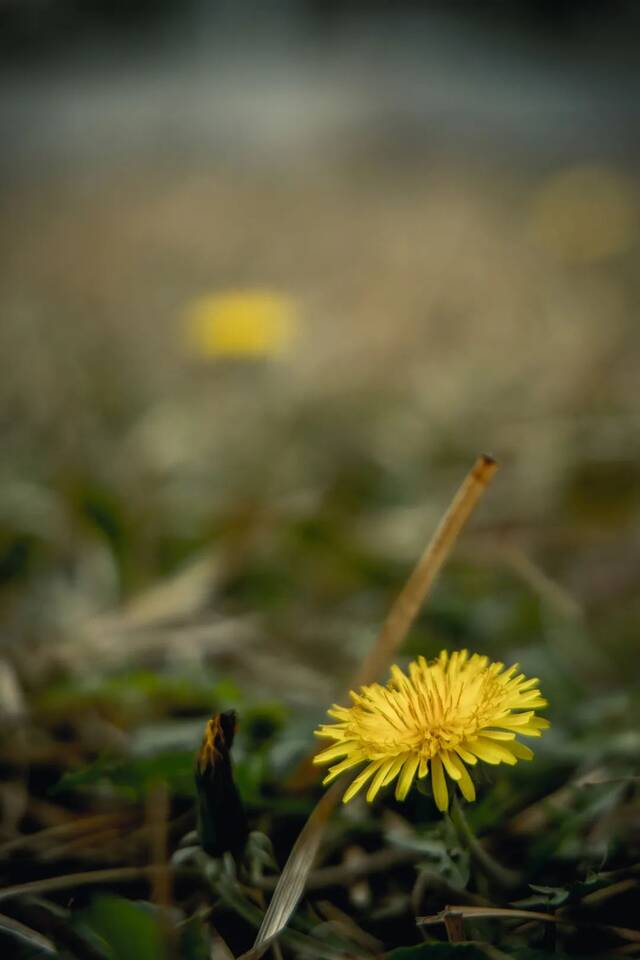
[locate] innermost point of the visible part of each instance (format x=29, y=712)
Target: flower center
x=426, y=720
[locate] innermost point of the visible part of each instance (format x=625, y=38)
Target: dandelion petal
x=440, y=792
x=406, y=777
x=449, y=765
x=360, y=781
x=394, y=770
x=378, y=780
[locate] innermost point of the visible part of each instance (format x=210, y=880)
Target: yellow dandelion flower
x=443, y=716
x=240, y=324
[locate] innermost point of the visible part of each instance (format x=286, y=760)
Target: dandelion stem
x=502, y=876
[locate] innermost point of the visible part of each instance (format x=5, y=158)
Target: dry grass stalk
x=416, y=590
x=157, y=818
x=399, y=620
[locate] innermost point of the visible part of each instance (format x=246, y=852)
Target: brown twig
x=606, y=893
x=81, y=829
x=454, y=924
x=157, y=818
x=506, y=913
x=292, y=881
x=412, y=596
x=70, y=880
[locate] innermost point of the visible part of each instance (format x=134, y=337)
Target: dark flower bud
x=222, y=822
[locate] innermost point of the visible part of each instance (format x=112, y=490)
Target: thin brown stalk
x=507, y=913
x=293, y=879
x=70, y=880
x=80, y=828
x=606, y=893
x=481, y=913
x=454, y=925
x=157, y=818
x=158, y=823
x=413, y=595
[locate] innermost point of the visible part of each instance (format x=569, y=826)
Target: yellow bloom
x=449, y=713
x=239, y=324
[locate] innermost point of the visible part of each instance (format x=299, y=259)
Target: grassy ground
x=181, y=534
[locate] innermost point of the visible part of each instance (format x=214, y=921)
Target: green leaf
x=132, y=777
x=544, y=897
x=440, y=850
x=195, y=941
x=126, y=930
x=132, y=697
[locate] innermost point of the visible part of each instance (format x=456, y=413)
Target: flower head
x=444, y=715
x=241, y=324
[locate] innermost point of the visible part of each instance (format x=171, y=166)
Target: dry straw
x=292, y=881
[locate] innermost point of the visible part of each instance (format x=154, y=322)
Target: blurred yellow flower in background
x=449, y=713
x=240, y=324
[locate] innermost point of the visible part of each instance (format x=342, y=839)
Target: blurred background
x=271, y=276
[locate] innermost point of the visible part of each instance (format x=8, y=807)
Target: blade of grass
x=293, y=878
x=403, y=612
x=30, y=937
